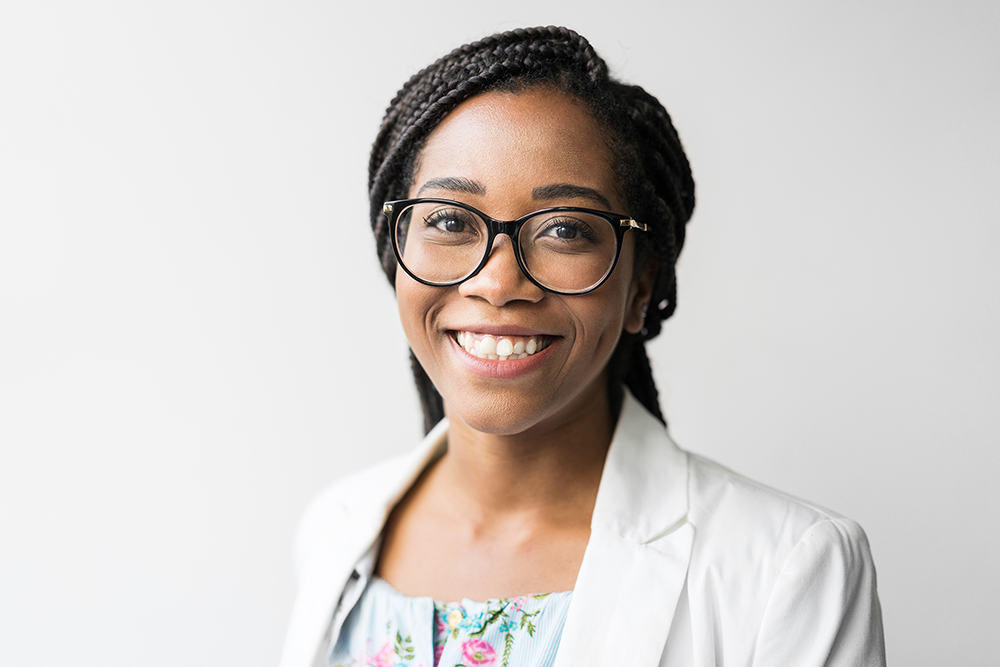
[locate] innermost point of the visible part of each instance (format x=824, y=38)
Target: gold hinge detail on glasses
x=387, y=208
x=633, y=224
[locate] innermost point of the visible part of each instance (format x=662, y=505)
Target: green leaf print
x=508, y=645
x=404, y=647
x=526, y=623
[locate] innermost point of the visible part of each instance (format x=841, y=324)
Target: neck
x=550, y=472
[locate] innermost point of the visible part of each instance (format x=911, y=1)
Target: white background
x=195, y=336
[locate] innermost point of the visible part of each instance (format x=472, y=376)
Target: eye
x=449, y=220
x=563, y=231
x=567, y=229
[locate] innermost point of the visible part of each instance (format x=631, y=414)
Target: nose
x=501, y=280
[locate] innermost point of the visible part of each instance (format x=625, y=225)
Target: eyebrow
x=453, y=184
x=541, y=193
x=567, y=191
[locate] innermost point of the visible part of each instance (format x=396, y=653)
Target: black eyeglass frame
x=620, y=223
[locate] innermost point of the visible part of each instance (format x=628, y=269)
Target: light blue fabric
x=388, y=629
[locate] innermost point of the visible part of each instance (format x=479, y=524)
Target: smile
x=502, y=347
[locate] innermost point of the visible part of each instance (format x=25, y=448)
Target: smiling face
x=509, y=155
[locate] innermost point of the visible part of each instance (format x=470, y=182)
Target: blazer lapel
x=347, y=532
x=635, y=565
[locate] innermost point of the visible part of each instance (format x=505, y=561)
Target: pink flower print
x=384, y=657
x=478, y=652
x=438, y=650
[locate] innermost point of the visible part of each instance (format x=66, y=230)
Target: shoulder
x=357, y=504
x=333, y=511
x=774, y=565
x=344, y=493
x=719, y=496
x=728, y=509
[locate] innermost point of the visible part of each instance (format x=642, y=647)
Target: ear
x=640, y=293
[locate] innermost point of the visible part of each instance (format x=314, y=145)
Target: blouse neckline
x=378, y=581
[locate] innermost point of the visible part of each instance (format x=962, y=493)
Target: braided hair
x=652, y=169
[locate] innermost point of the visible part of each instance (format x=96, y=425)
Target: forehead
x=511, y=143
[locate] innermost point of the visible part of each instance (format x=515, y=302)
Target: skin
x=506, y=511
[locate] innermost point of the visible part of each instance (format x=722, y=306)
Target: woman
x=536, y=209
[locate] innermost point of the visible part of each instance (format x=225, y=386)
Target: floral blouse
x=388, y=629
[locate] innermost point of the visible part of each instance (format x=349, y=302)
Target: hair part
x=652, y=169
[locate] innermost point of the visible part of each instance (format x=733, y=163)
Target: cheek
x=412, y=304
x=417, y=304
x=601, y=320
x=604, y=318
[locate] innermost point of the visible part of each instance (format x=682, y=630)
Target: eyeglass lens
x=567, y=251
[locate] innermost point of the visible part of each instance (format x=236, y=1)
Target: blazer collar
x=643, y=491
x=369, y=507
x=635, y=564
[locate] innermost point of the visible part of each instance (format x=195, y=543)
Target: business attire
x=688, y=564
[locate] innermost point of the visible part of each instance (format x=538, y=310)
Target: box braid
x=653, y=171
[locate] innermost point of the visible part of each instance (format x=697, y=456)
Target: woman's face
x=509, y=155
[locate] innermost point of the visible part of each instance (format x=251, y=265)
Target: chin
x=498, y=414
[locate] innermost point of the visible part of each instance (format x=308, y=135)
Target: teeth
x=500, y=348
x=488, y=345
x=505, y=347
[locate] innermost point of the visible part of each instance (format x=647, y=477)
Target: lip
x=494, y=368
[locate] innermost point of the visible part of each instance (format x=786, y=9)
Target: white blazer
x=688, y=564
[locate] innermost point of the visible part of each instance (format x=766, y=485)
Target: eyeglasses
x=564, y=250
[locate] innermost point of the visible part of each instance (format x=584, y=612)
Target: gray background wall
x=195, y=337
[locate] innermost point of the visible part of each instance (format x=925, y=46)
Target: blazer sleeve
x=823, y=610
